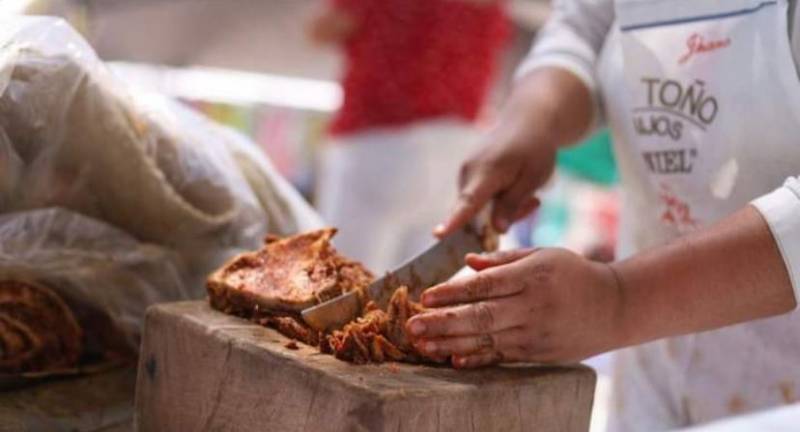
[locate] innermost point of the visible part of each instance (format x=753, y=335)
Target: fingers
x=480, y=286
x=476, y=318
x=480, y=262
x=510, y=344
x=529, y=205
x=508, y=203
x=473, y=361
x=477, y=192
x=501, y=223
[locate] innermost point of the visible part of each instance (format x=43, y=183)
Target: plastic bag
x=117, y=198
x=92, y=264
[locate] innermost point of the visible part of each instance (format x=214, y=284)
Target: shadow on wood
x=101, y=402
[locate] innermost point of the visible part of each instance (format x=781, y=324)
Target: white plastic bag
x=119, y=199
x=92, y=264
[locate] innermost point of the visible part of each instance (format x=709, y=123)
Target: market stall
x=279, y=106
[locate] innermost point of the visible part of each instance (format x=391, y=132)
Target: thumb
x=493, y=259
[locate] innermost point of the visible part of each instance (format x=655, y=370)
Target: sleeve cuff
x=566, y=62
x=781, y=209
x=572, y=65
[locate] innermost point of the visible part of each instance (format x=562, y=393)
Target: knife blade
x=433, y=266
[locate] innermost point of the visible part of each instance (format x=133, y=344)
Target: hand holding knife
x=433, y=266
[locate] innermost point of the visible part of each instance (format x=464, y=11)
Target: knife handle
x=482, y=224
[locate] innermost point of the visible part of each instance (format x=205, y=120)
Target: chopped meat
x=400, y=309
x=292, y=327
x=379, y=335
x=38, y=331
x=274, y=284
x=286, y=275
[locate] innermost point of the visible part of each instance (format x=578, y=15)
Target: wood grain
x=201, y=370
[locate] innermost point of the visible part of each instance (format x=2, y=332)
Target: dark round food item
x=38, y=331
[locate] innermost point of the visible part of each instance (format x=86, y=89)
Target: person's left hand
x=541, y=305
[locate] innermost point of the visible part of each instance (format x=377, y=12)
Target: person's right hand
x=548, y=108
x=508, y=168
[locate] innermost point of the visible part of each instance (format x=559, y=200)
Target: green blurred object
x=591, y=160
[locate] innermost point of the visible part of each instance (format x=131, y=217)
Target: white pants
x=385, y=189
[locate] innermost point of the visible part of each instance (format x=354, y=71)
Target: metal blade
x=334, y=313
x=437, y=264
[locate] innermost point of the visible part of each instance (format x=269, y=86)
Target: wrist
x=532, y=115
x=530, y=126
x=627, y=324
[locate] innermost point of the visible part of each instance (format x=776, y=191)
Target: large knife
x=433, y=266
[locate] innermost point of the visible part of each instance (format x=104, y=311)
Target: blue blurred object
x=592, y=160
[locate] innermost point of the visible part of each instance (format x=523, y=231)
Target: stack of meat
x=38, y=331
x=273, y=285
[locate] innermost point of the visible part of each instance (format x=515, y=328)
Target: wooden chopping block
x=201, y=370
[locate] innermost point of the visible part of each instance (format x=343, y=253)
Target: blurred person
x=415, y=79
x=703, y=101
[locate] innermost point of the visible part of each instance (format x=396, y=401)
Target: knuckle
x=546, y=311
x=483, y=317
x=506, y=203
x=543, y=272
x=468, y=198
x=480, y=288
x=525, y=286
x=485, y=342
x=502, y=255
x=440, y=326
x=507, y=207
x=493, y=164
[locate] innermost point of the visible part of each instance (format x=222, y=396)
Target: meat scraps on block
x=272, y=285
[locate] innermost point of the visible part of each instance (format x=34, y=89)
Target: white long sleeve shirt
x=573, y=38
x=697, y=135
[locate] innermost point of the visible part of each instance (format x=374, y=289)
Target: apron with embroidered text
x=708, y=119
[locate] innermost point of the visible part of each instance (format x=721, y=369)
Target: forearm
x=550, y=105
x=730, y=273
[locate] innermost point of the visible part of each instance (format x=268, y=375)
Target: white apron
x=710, y=97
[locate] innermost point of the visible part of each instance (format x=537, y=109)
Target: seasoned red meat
x=285, y=276
x=274, y=284
x=378, y=335
x=38, y=331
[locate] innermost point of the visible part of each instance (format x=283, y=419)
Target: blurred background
x=252, y=65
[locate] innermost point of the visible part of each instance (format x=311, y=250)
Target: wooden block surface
x=201, y=370
x=95, y=403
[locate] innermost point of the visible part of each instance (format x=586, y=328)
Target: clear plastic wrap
x=92, y=264
x=118, y=199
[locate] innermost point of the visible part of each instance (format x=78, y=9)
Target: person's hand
x=548, y=108
x=542, y=305
x=509, y=166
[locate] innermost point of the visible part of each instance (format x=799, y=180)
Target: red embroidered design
x=697, y=44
